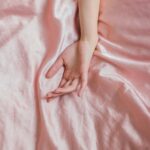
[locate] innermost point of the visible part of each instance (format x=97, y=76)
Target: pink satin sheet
x=114, y=112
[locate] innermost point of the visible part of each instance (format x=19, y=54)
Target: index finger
x=55, y=67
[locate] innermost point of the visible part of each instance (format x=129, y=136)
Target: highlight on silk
x=74, y=75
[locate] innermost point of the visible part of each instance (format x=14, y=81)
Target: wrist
x=92, y=41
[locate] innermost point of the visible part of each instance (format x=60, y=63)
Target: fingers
x=68, y=83
x=83, y=84
x=55, y=67
x=62, y=82
x=52, y=95
x=66, y=74
x=65, y=78
x=69, y=87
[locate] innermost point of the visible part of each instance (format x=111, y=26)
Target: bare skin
x=76, y=57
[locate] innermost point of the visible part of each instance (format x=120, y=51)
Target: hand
x=76, y=60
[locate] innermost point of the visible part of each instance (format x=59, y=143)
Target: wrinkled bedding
x=114, y=112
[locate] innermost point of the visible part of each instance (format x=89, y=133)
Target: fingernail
x=49, y=94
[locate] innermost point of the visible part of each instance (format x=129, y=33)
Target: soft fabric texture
x=114, y=112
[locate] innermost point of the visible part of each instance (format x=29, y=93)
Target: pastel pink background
x=114, y=113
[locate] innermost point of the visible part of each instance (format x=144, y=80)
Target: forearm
x=88, y=17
